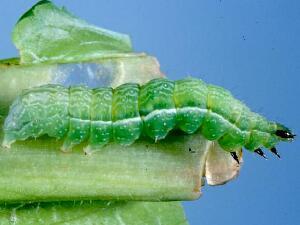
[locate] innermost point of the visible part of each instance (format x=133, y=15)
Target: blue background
x=250, y=47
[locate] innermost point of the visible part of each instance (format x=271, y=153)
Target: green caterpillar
x=123, y=114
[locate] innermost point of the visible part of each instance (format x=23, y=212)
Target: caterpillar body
x=98, y=116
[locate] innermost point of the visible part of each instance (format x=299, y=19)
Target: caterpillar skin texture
x=98, y=116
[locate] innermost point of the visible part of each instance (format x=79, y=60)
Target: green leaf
x=94, y=212
x=46, y=33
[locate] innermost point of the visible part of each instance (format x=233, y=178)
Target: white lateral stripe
x=158, y=112
x=101, y=122
x=80, y=120
x=191, y=109
x=197, y=109
x=126, y=121
x=119, y=122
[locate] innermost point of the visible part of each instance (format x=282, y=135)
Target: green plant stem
x=94, y=212
x=37, y=171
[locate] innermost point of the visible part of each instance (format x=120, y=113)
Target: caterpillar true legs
x=124, y=114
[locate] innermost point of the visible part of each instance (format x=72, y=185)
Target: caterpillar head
x=284, y=133
x=277, y=133
x=281, y=133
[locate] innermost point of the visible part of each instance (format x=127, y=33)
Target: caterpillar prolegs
x=98, y=116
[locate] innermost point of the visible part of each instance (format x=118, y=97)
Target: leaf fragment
x=47, y=33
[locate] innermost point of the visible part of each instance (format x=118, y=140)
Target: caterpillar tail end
x=8, y=140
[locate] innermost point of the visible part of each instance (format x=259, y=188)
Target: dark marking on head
x=235, y=157
x=260, y=152
x=285, y=134
x=274, y=151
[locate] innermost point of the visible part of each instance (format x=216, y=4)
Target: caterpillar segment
x=127, y=123
x=80, y=99
x=157, y=108
x=101, y=119
x=98, y=116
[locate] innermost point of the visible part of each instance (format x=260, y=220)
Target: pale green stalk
x=94, y=212
x=38, y=171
